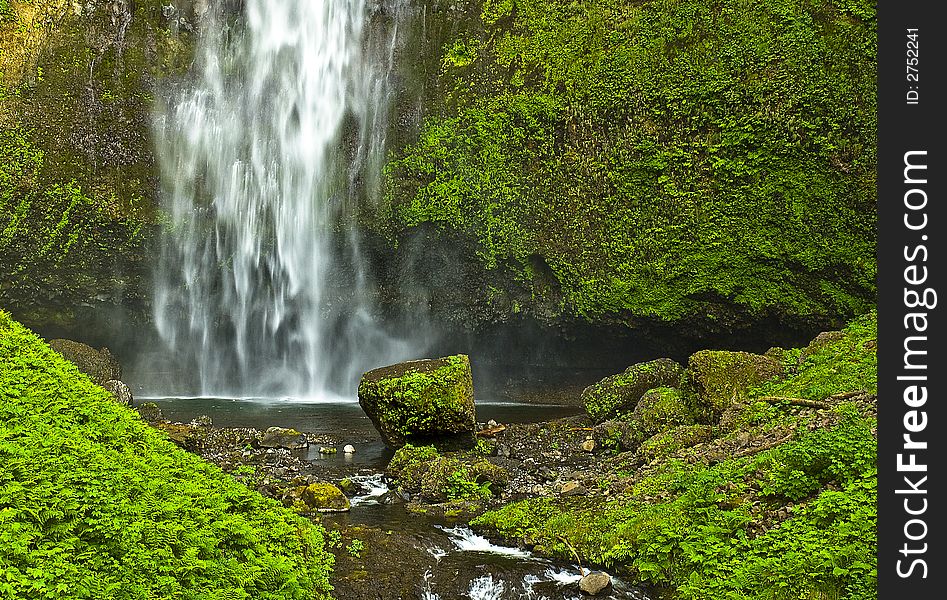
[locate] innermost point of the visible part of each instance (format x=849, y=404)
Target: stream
x=403, y=554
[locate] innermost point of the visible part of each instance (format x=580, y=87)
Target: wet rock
x=572, y=488
x=420, y=400
x=595, y=583
x=324, y=497
x=348, y=449
x=150, y=412
x=394, y=497
x=281, y=437
x=348, y=487
x=620, y=393
x=328, y=450
x=202, y=421
x=717, y=379
x=100, y=365
x=121, y=392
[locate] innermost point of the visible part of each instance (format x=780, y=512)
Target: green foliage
x=96, y=504
x=462, y=476
x=794, y=521
x=666, y=159
x=355, y=548
x=847, y=364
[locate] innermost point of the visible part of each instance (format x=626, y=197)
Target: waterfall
x=261, y=288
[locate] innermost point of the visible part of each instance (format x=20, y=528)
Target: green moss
x=620, y=393
x=666, y=160
x=420, y=399
x=666, y=443
x=323, y=496
x=96, y=504
x=659, y=410
x=716, y=379
x=848, y=363
x=435, y=478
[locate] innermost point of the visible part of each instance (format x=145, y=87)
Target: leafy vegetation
x=96, y=504
x=793, y=520
x=693, y=159
x=424, y=471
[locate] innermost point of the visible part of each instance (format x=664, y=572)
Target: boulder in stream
x=323, y=497
x=420, y=400
x=281, y=437
x=595, y=583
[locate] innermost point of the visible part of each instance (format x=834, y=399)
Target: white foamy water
x=486, y=588
x=372, y=487
x=466, y=540
x=260, y=159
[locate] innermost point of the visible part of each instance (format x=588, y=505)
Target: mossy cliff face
x=696, y=162
x=689, y=166
x=78, y=180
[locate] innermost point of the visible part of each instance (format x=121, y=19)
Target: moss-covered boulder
x=716, y=379
x=668, y=442
x=620, y=393
x=409, y=464
x=281, y=437
x=661, y=409
x=657, y=411
x=100, y=365
x=323, y=497
x=420, y=400
x=432, y=477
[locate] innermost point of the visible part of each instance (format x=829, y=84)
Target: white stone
x=348, y=449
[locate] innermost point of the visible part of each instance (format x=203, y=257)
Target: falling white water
x=261, y=287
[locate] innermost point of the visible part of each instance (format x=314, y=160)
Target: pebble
x=349, y=449
x=572, y=488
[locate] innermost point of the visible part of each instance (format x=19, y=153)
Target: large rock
x=620, y=393
x=100, y=365
x=323, y=497
x=717, y=379
x=420, y=400
x=595, y=583
x=281, y=437
x=659, y=410
x=120, y=391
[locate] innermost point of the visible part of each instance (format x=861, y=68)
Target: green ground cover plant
x=96, y=504
x=794, y=521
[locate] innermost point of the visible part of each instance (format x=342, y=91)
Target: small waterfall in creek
x=265, y=156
